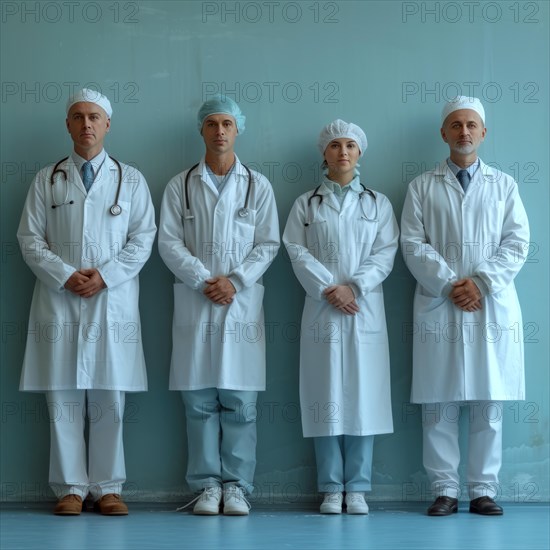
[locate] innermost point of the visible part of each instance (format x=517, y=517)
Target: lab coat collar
x=239, y=170
x=328, y=196
x=96, y=161
x=100, y=162
x=354, y=184
x=443, y=170
x=327, y=186
x=483, y=173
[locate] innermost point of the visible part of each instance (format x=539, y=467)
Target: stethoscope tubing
x=366, y=191
x=243, y=211
x=115, y=209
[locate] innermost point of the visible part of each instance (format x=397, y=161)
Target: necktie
x=87, y=175
x=463, y=178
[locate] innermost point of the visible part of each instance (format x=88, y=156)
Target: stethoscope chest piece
x=115, y=210
x=243, y=212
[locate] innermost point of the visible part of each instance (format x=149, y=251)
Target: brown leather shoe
x=443, y=506
x=485, y=506
x=69, y=505
x=111, y=505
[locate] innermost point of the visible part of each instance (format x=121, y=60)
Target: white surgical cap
x=90, y=96
x=340, y=129
x=220, y=104
x=463, y=102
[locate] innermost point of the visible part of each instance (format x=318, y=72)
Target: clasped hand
x=342, y=298
x=85, y=283
x=466, y=295
x=219, y=290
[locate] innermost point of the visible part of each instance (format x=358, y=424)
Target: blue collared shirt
x=470, y=169
x=339, y=191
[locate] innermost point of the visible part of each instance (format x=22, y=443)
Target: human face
x=219, y=132
x=87, y=123
x=463, y=131
x=341, y=156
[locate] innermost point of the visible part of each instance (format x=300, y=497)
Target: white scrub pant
x=441, y=453
x=106, y=471
x=221, y=437
x=344, y=463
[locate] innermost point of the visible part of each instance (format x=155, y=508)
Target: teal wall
x=293, y=66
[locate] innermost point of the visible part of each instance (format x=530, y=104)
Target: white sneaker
x=332, y=503
x=356, y=504
x=234, y=501
x=208, y=502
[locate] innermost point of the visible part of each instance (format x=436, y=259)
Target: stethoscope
x=115, y=210
x=365, y=191
x=242, y=212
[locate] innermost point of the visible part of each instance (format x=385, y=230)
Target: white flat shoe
x=234, y=501
x=332, y=503
x=207, y=503
x=356, y=504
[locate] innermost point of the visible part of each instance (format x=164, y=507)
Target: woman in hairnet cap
x=342, y=239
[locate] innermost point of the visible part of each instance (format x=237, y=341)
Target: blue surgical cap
x=220, y=104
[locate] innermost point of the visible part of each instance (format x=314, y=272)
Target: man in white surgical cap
x=86, y=231
x=464, y=237
x=218, y=234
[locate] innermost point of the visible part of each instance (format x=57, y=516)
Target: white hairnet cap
x=90, y=96
x=340, y=129
x=220, y=104
x=463, y=102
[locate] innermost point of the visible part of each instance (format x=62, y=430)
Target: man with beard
x=465, y=237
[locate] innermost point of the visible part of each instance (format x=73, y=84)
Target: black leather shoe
x=485, y=506
x=443, y=506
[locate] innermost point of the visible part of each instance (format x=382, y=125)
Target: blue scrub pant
x=344, y=463
x=221, y=437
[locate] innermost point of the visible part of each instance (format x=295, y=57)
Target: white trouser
x=344, y=462
x=106, y=471
x=221, y=437
x=441, y=453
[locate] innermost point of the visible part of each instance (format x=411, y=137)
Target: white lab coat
x=216, y=346
x=447, y=235
x=86, y=343
x=344, y=360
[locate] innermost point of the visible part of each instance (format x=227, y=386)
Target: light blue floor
x=523, y=526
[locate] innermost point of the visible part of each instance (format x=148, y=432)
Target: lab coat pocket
x=365, y=231
x=122, y=302
x=191, y=307
x=317, y=238
x=492, y=218
x=244, y=226
x=371, y=319
x=119, y=223
x=430, y=312
x=246, y=308
x=243, y=231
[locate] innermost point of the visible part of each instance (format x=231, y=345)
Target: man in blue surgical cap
x=219, y=233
